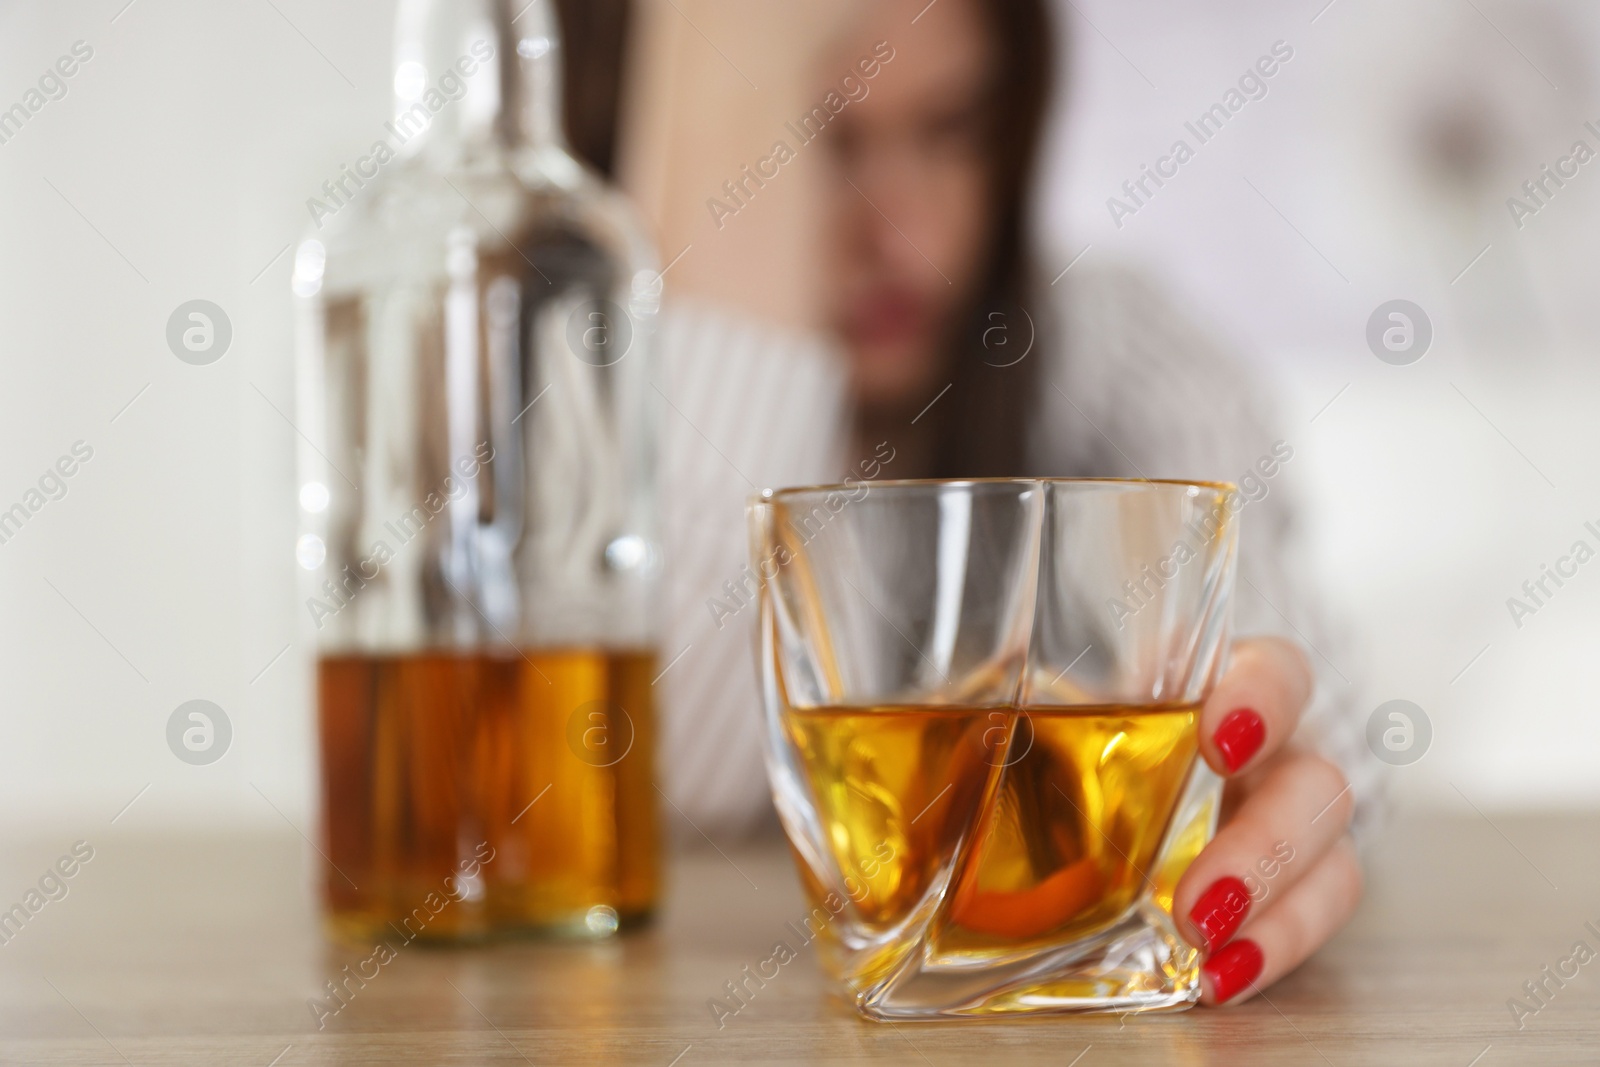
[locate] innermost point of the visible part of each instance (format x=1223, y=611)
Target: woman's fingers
x=1285, y=934
x=1282, y=874
x=1276, y=838
x=1256, y=705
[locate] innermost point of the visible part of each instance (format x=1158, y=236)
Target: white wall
x=190, y=141
x=192, y=138
x=1391, y=141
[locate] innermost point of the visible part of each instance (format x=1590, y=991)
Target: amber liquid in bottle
x=1053, y=818
x=473, y=792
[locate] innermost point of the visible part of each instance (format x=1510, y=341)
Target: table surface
x=206, y=950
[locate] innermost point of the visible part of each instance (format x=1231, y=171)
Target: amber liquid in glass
x=476, y=793
x=1050, y=820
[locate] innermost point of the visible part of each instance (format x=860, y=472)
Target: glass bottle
x=474, y=317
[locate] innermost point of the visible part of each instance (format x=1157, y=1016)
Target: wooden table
x=206, y=950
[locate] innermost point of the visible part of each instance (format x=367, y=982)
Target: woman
x=974, y=364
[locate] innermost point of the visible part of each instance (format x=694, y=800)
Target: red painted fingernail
x=1220, y=910
x=1239, y=737
x=1233, y=968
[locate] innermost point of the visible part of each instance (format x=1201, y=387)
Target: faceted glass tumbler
x=982, y=705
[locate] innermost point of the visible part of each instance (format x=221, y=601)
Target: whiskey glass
x=981, y=707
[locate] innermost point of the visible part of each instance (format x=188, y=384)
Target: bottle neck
x=474, y=78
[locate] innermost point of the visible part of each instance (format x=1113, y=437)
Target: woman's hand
x=1281, y=876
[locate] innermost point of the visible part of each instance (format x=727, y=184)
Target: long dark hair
x=979, y=428
x=593, y=38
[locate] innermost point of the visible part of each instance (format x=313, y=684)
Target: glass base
x=1141, y=964
x=928, y=965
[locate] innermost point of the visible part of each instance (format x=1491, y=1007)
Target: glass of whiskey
x=982, y=703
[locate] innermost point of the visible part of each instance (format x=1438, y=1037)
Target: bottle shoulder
x=402, y=220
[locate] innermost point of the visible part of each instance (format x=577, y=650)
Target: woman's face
x=910, y=213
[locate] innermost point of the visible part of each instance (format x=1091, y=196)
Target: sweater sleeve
x=1136, y=389
x=742, y=407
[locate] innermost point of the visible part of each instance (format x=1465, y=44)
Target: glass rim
x=772, y=496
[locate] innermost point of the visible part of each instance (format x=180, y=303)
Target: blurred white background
x=1377, y=167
